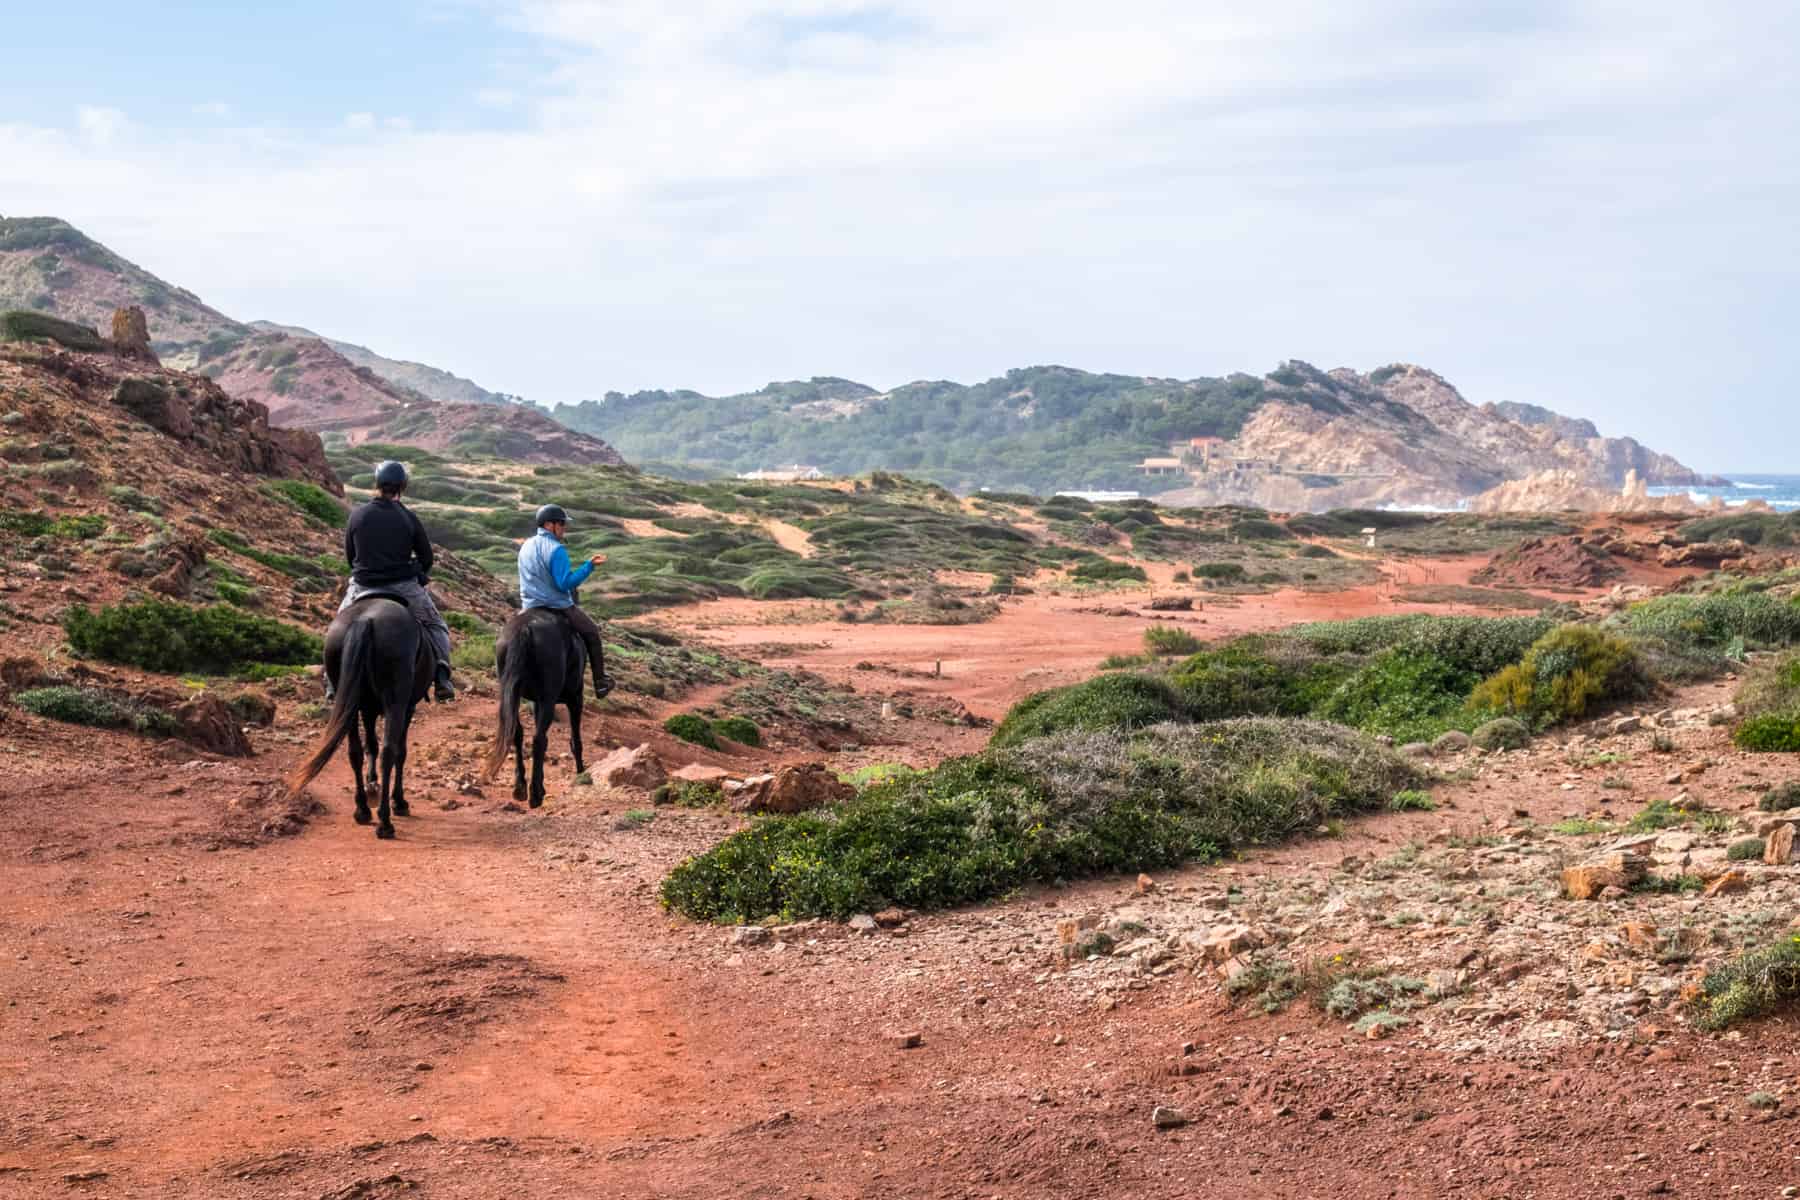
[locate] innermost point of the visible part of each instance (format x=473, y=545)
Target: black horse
x=541, y=660
x=380, y=664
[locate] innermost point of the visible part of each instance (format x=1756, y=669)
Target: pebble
x=1168, y=1118
x=908, y=1041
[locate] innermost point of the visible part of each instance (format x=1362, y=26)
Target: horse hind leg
x=374, y=749
x=397, y=743
x=519, y=760
x=393, y=754
x=356, y=773
x=540, y=743
x=575, y=733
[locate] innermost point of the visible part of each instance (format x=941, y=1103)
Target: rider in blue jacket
x=546, y=580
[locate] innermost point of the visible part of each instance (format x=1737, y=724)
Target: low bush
x=1751, y=620
x=1781, y=797
x=1758, y=982
x=19, y=325
x=1744, y=849
x=1168, y=639
x=1411, y=695
x=474, y=653
x=692, y=728
x=1567, y=673
x=741, y=730
x=1221, y=572
x=1412, y=800
x=1061, y=807
x=1109, y=702
x=90, y=706
x=1501, y=733
x=1770, y=733
x=319, y=505
x=161, y=635
x=1106, y=570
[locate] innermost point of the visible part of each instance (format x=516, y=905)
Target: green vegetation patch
x=1757, y=983
x=20, y=325
x=1062, y=807
x=694, y=728
x=741, y=730
x=318, y=505
x=1568, y=673
x=161, y=635
x=1110, y=702
x=90, y=706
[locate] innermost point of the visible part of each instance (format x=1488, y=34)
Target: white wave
x=1756, y=487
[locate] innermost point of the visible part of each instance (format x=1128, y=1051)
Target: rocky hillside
x=431, y=382
x=1296, y=439
x=306, y=382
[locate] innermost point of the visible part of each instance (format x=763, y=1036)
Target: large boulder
x=632, y=767
x=790, y=790
x=1587, y=880
x=131, y=335
x=208, y=722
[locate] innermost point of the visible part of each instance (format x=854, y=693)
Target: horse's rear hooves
x=537, y=802
x=363, y=817
x=402, y=809
x=385, y=832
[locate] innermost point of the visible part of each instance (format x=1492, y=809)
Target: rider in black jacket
x=388, y=551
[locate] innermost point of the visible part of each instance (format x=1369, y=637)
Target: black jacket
x=385, y=543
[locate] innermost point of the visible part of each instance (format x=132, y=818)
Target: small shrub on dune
x=692, y=728
x=1167, y=639
x=1780, y=734
x=1061, y=807
x=1755, y=984
x=90, y=706
x=1111, y=702
x=1106, y=570
x=161, y=635
x=1568, y=673
x=1781, y=797
x=741, y=730
x=319, y=505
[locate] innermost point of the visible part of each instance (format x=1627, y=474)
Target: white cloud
x=735, y=191
x=98, y=123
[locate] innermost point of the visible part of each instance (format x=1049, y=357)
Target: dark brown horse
x=380, y=664
x=541, y=660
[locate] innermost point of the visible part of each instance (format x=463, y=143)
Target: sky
x=1585, y=204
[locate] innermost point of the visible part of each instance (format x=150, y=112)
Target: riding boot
x=443, y=691
x=603, y=683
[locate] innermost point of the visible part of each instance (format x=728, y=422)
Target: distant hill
x=306, y=382
x=1297, y=438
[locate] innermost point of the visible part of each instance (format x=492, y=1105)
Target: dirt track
x=494, y=1006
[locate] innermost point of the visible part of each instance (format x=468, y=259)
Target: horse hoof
x=363, y=817
x=385, y=832
x=402, y=809
x=537, y=802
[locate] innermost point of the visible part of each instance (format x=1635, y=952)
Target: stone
x=751, y=935
x=1778, y=847
x=1453, y=742
x=1626, y=725
x=131, y=335
x=794, y=789
x=908, y=1041
x=890, y=918
x=1639, y=935
x=1589, y=879
x=1766, y=826
x=1145, y=885
x=632, y=767
x=1165, y=1117
x=1728, y=883
x=207, y=722
x=1221, y=942
x=1416, y=750
x=1069, y=930
x=863, y=923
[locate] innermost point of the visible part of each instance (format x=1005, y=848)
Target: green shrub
x=1168, y=639
x=1781, y=797
x=1567, y=673
x=1221, y=572
x=467, y=624
x=474, y=652
x=1411, y=695
x=1412, y=800
x=1744, y=849
x=1256, y=529
x=1109, y=702
x=691, y=727
x=688, y=793
x=1502, y=733
x=1749, y=620
x=1755, y=984
x=1770, y=733
x=1062, y=807
x=1253, y=676
x=252, y=708
x=1658, y=814
x=133, y=500
x=19, y=325
x=90, y=706
x=318, y=505
x=161, y=635
x=1106, y=570
x=741, y=730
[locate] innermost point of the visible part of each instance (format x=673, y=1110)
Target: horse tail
x=512, y=677
x=356, y=670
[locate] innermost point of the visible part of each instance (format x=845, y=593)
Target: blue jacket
x=545, y=579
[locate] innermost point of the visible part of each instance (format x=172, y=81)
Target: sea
x=1781, y=491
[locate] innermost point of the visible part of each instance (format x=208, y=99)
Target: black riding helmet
x=550, y=514
x=390, y=474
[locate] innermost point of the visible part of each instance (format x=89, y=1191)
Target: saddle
x=367, y=596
